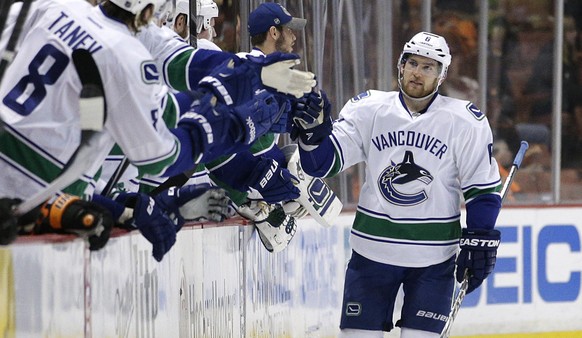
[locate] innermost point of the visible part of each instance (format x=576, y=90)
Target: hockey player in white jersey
x=422, y=151
x=41, y=89
x=206, y=11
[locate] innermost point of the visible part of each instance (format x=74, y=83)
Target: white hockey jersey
x=40, y=98
x=409, y=206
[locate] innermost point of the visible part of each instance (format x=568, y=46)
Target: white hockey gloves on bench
x=274, y=227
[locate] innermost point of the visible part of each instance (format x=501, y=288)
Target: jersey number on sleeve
x=30, y=90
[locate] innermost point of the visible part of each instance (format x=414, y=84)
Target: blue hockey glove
x=273, y=182
x=312, y=119
x=152, y=221
x=477, y=256
x=284, y=123
x=216, y=129
x=277, y=73
x=233, y=82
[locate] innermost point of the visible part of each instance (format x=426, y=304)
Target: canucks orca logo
x=398, y=182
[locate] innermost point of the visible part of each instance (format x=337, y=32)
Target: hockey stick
x=92, y=110
x=465, y=284
x=10, y=51
x=116, y=176
x=4, y=10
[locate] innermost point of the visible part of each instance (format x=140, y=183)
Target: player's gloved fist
x=308, y=109
x=233, y=82
x=151, y=221
x=8, y=223
x=69, y=214
x=217, y=129
x=477, y=256
x=273, y=182
x=277, y=73
x=258, y=115
x=284, y=123
x=312, y=119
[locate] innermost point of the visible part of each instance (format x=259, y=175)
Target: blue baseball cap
x=272, y=14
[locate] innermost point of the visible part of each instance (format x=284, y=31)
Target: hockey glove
x=312, y=119
x=284, y=122
x=294, y=209
x=69, y=214
x=151, y=221
x=8, y=222
x=216, y=129
x=477, y=256
x=277, y=73
x=275, y=228
x=233, y=83
x=195, y=202
x=273, y=182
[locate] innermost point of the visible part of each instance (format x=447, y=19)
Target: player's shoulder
x=371, y=96
x=364, y=105
x=461, y=109
x=207, y=45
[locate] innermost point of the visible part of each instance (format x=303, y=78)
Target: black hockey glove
x=8, y=222
x=477, y=256
x=67, y=214
x=273, y=182
x=312, y=119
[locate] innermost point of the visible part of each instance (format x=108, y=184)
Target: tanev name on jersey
x=410, y=138
x=73, y=34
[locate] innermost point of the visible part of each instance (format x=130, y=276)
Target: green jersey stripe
x=434, y=231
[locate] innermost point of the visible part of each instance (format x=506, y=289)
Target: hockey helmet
x=431, y=46
x=205, y=11
x=136, y=6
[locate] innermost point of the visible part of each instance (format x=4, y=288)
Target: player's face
x=285, y=41
x=181, y=26
x=419, y=76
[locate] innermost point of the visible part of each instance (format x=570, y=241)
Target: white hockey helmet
x=136, y=6
x=205, y=11
x=182, y=7
x=431, y=46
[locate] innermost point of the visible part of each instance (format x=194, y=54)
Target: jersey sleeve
x=181, y=66
x=148, y=143
x=478, y=170
x=351, y=133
